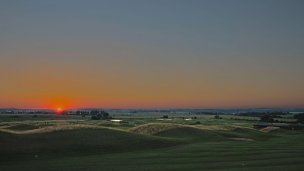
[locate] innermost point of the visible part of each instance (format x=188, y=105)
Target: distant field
x=146, y=143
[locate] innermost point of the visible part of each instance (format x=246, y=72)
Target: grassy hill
x=73, y=142
x=150, y=146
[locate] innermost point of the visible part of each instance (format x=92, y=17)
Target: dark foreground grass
x=22, y=127
x=74, y=142
x=107, y=149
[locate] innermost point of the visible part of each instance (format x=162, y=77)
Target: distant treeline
x=259, y=114
x=26, y=112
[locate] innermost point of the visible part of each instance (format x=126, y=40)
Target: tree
x=96, y=117
x=104, y=115
x=99, y=114
x=266, y=118
x=165, y=116
x=217, y=117
x=299, y=117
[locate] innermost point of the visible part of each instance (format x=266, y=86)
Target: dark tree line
x=299, y=117
x=260, y=114
x=95, y=114
x=99, y=114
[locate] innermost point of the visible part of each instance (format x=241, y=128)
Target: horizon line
x=158, y=108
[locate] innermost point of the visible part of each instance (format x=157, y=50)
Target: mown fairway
x=151, y=145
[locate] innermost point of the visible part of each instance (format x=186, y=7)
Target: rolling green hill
x=71, y=142
x=155, y=147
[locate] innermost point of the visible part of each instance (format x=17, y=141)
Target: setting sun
x=59, y=110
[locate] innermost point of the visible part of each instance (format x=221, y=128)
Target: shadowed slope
x=64, y=142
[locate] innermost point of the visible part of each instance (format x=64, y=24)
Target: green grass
x=183, y=148
x=284, y=152
x=71, y=142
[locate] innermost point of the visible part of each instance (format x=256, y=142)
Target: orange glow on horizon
x=59, y=110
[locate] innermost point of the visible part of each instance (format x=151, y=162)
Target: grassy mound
x=190, y=133
x=154, y=128
x=22, y=127
x=270, y=129
x=169, y=130
x=245, y=133
x=71, y=142
x=199, y=132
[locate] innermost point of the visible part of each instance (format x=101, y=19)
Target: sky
x=151, y=54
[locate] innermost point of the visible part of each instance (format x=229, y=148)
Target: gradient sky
x=145, y=54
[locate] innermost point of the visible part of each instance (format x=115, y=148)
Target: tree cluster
x=299, y=117
x=99, y=114
x=267, y=118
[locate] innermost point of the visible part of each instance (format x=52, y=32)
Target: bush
x=96, y=115
x=299, y=117
x=196, y=123
x=217, y=117
x=266, y=118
